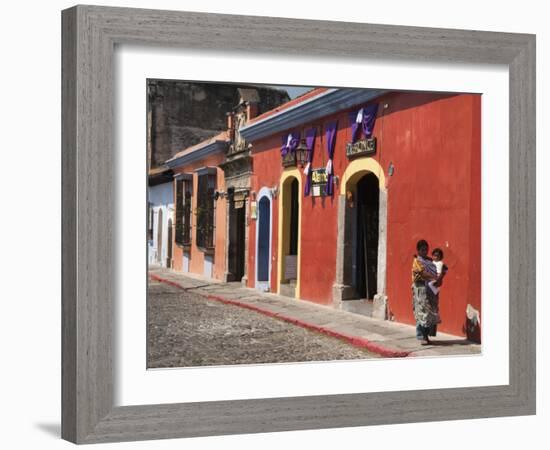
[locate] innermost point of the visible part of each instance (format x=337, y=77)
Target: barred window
x=187, y=199
x=206, y=210
x=184, y=197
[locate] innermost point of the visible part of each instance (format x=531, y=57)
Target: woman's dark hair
x=421, y=243
x=438, y=251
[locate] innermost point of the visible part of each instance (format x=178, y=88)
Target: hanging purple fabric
x=369, y=117
x=290, y=142
x=310, y=145
x=330, y=131
x=354, y=125
x=363, y=120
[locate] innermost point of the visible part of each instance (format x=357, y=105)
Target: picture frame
x=89, y=36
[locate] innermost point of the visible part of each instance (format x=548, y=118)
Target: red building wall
x=266, y=169
x=435, y=194
x=434, y=144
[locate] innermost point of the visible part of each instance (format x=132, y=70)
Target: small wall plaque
x=361, y=148
x=253, y=210
x=318, y=182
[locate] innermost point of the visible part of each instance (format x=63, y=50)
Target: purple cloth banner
x=354, y=126
x=330, y=132
x=290, y=142
x=369, y=118
x=363, y=120
x=310, y=144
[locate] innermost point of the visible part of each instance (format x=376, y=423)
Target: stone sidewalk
x=386, y=338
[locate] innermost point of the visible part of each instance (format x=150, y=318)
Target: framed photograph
x=265, y=233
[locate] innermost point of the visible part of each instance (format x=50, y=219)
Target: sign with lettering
x=362, y=147
x=318, y=182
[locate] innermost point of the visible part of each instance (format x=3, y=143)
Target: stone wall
x=181, y=114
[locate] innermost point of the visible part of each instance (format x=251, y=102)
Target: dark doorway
x=294, y=215
x=169, y=245
x=367, y=236
x=291, y=231
x=237, y=224
x=264, y=221
x=159, y=237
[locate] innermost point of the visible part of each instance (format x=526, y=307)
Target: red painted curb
x=356, y=341
x=165, y=281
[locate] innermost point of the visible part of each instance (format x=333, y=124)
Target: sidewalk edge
x=356, y=341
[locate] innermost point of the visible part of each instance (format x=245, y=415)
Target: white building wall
x=160, y=197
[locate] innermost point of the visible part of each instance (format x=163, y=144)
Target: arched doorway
x=367, y=195
x=263, y=243
x=292, y=225
x=159, y=236
x=289, y=234
x=361, y=243
x=169, y=245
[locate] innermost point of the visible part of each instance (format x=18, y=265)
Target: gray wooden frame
x=89, y=36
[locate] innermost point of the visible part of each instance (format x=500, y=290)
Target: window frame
x=183, y=186
x=205, y=210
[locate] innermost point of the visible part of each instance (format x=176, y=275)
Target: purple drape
x=366, y=124
x=310, y=144
x=290, y=145
x=369, y=117
x=330, y=132
x=354, y=126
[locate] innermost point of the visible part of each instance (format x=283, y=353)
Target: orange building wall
x=196, y=262
x=434, y=143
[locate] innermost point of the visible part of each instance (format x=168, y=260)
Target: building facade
x=212, y=182
x=324, y=197
x=199, y=223
x=160, y=217
x=345, y=182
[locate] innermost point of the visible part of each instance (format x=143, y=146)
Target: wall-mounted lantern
x=302, y=153
x=219, y=194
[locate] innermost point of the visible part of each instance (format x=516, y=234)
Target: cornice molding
x=195, y=155
x=324, y=104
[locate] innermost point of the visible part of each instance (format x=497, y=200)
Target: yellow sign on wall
x=318, y=176
x=253, y=209
x=318, y=182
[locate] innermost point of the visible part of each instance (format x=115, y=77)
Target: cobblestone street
x=186, y=329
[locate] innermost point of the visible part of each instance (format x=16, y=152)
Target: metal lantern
x=302, y=153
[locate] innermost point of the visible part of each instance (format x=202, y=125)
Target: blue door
x=264, y=217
